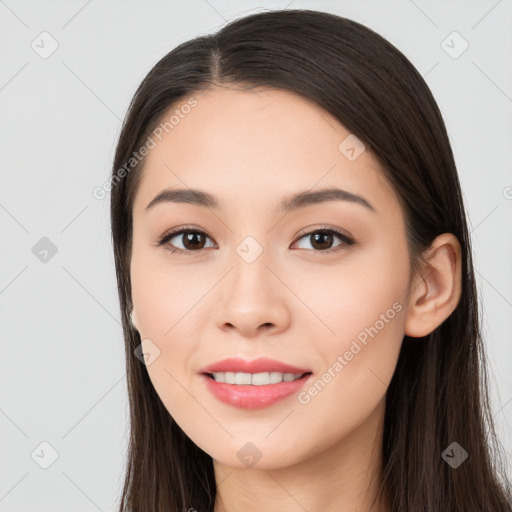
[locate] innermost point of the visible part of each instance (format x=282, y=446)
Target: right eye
x=192, y=240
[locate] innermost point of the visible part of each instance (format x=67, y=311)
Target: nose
x=251, y=300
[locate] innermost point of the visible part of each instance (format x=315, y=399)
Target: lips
x=260, y=365
x=253, y=397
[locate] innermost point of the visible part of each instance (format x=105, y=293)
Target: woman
x=296, y=283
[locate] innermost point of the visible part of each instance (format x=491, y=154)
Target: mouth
x=253, y=390
x=255, y=379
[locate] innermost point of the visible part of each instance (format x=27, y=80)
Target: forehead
x=259, y=144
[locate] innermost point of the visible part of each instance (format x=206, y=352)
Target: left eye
x=322, y=239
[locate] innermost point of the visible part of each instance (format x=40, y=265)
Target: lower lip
x=248, y=396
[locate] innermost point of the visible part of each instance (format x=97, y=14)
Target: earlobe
x=436, y=292
x=133, y=319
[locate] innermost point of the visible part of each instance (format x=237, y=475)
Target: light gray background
x=62, y=359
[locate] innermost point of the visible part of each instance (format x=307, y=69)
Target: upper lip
x=260, y=365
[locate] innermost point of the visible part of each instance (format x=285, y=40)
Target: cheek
x=164, y=294
x=361, y=331
x=361, y=298
x=168, y=309
x=357, y=364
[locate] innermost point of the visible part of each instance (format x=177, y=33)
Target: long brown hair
x=439, y=391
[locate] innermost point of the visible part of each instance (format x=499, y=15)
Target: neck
x=343, y=478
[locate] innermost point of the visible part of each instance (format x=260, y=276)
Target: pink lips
x=248, y=396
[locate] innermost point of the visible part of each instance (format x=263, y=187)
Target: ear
x=436, y=292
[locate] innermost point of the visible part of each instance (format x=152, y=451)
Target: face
x=320, y=286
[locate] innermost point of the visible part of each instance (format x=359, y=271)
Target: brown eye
x=192, y=240
x=322, y=240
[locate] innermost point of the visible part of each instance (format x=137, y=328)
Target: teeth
x=256, y=379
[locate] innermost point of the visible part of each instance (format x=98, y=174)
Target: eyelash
x=347, y=242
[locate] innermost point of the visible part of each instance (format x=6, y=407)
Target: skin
x=295, y=303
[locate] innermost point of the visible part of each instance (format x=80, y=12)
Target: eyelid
x=314, y=229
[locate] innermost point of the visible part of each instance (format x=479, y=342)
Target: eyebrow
x=288, y=204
